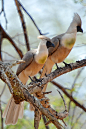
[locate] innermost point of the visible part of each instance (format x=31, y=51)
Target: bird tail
x=13, y=111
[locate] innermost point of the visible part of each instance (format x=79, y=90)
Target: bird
x=63, y=45
x=34, y=61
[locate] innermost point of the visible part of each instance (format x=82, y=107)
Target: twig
x=0, y=42
x=16, y=62
x=44, y=119
x=5, y=79
x=31, y=19
x=63, y=100
x=37, y=117
x=23, y=24
x=3, y=90
x=83, y=124
x=73, y=114
x=78, y=74
x=4, y=12
x=10, y=55
x=69, y=96
x=5, y=35
x=77, y=119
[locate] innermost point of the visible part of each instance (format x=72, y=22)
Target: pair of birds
x=48, y=53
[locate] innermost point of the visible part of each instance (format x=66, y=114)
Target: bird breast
x=41, y=57
x=33, y=68
x=68, y=40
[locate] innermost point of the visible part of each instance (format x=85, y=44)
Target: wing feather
x=28, y=58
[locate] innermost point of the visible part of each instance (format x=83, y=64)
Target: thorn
x=47, y=92
x=64, y=122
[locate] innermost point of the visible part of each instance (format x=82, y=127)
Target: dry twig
x=23, y=24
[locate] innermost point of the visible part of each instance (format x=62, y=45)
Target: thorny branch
x=23, y=93
x=20, y=93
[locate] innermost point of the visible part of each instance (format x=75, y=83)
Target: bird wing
x=28, y=58
x=56, y=41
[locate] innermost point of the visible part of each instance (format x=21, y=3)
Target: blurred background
x=52, y=17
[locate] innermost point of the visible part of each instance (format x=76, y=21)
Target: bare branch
x=0, y=42
x=37, y=117
x=77, y=119
x=63, y=100
x=69, y=96
x=3, y=10
x=73, y=114
x=23, y=24
x=45, y=121
x=31, y=18
x=5, y=35
x=3, y=90
x=10, y=55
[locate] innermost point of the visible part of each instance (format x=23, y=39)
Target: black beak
x=49, y=44
x=79, y=29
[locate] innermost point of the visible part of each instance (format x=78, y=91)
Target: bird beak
x=49, y=44
x=81, y=30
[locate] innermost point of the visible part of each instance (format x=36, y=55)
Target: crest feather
x=77, y=19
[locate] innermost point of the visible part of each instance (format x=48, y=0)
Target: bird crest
x=77, y=19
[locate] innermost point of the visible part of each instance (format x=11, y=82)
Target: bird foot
x=35, y=79
x=57, y=67
x=67, y=65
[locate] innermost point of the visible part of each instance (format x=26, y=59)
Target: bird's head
x=46, y=41
x=78, y=22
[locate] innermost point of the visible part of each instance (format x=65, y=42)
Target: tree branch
x=31, y=18
x=23, y=24
x=21, y=92
x=5, y=35
x=69, y=96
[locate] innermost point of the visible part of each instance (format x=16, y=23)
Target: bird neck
x=41, y=54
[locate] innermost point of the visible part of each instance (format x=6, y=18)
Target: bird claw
x=67, y=65
x=36, y=80
x=58, y=67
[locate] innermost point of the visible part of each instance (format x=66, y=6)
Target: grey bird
x=63, y=45
x=34, y=61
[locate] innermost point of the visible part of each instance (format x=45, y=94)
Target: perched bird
x=34, y=61
x=63, y=45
